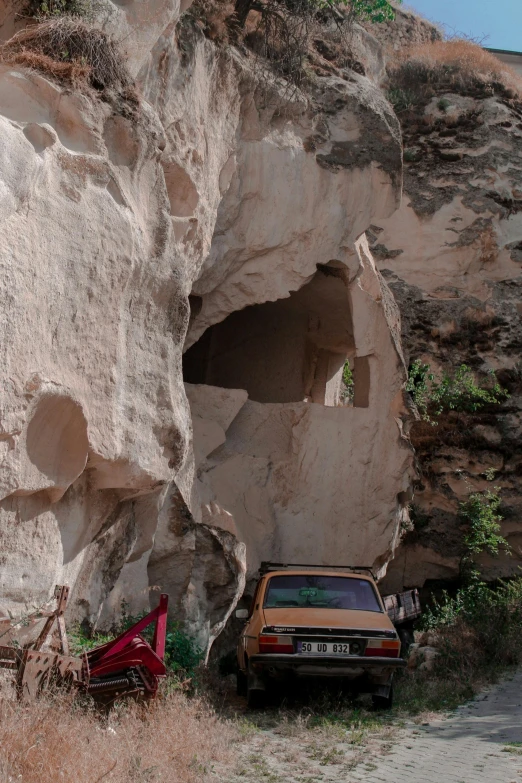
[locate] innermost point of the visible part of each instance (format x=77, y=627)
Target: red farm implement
x=126, y=666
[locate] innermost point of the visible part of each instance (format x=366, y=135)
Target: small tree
x=480, y=512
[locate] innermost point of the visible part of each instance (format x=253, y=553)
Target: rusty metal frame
x=61, y=594
x=125, y=666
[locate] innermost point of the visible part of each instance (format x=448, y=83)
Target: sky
x=499, y=20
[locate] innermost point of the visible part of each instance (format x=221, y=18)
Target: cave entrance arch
x=290, y=350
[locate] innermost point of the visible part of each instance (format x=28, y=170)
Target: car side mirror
x=242, y=614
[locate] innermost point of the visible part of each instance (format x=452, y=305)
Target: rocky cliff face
x=452, y=257
x=183, y=280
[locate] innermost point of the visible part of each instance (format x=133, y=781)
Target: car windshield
x=329, y=592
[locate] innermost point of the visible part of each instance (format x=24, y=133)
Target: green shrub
x=480, y=511
x=480, y=627
x=81, y=639
x=460, y=392
x=49, y=9
x=375, y=11
x=182, y=654
x=457, y=391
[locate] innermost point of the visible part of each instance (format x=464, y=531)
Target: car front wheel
x=383, y=702
x=241, y=683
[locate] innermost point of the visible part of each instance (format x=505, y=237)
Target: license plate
x=323, y=648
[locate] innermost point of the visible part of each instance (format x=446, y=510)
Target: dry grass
x=68, y=71
x=175, y=740
x=453, y=64
x=69, y=49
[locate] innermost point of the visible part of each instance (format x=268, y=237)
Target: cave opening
x=290, y=350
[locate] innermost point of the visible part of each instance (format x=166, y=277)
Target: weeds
x=513, y=747
x=479, y=629
x=288, y=35
x=63, y=71
x=47, y=9
x=480, y=511
x=457, y=391
x=419, y=692
x=402, y=99
x=455, y=66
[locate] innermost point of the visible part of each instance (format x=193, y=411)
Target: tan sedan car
x=308, y=621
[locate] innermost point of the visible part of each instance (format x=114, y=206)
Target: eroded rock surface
x=227, y=221
x=452, y=257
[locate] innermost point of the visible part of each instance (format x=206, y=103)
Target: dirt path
x=479, y=743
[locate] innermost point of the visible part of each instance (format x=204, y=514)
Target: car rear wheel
x=383, y=702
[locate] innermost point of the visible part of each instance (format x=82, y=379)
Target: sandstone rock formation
x=222, y=218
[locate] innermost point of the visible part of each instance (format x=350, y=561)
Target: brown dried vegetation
x=455, y=65
x=418, y=73
x=175, y=740
x=69, y=49
x=288, y=42
x=63, y=71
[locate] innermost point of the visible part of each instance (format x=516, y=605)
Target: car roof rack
x=267, y=566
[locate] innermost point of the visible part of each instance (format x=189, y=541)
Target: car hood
x=328, y=618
